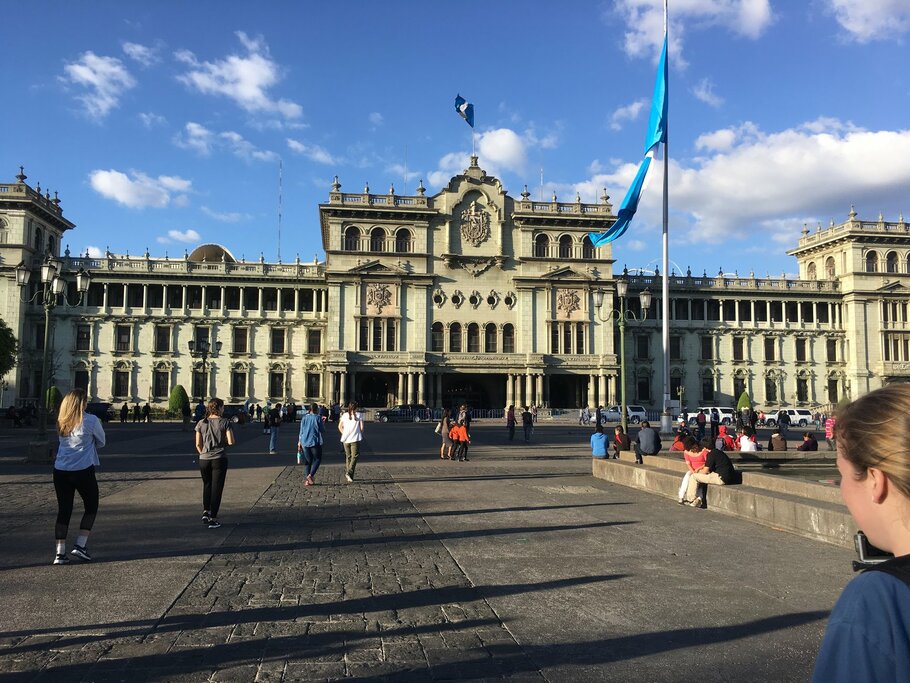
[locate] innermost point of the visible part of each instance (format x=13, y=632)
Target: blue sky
x=161, y=124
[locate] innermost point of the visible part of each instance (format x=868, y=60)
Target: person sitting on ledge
x=746, y=440
x=809, y=443
x=620, y=442
x=679, y=440
x=777, y=442
x=599, y=443
x=695, y=457
x=647, y=442
x=717, y=470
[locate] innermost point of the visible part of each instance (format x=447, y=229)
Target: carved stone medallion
x=567, y=301
x=475, y=224
x=378, y=296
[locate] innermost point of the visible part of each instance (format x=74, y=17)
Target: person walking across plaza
x=274, y=424
x=350, y=425
x=868, y=634
x=444, y=427
x=213, y=436
x=527, y=424
x=510, y=422
x=80, y=435
x=124, y=413
x=830, y=424
x=460, y=439
x=309, y=443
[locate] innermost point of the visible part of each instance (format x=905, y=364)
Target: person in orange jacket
x=460, y=439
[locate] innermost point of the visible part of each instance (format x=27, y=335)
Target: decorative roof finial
x=852, y=212
x=881, y=217
x=421, y=190
x=805, y=229
x=21, y=177
x=392, y=189
x=554, y=197
x=56, y=199
x=366, y=188
x=604, y=198
x=525, y=195
x=474, y=163
x=66, y=252
x=577, y=197
x=38, y=187
x=336, y=186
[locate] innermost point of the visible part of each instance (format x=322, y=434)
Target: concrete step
x=780, y=506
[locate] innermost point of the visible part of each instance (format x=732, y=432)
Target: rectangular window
x=739, y=387
x=642, y=346
x=134, y=295
x=887, y=348
x=175, y=296
x=644, y=389
x=156, y=296
x=436, y=338
x=729, y=311
x=800, y=349
x=698, y=309
x=761, y=311
x=270, y=299
x=115, y=295
x=777, y=312
x=199, y=391
x=238, y=384
x=738, y=344
x=707, y=389
x=745, y=311
x=162, y=340
x=80, y=380
x=377, y=335
x=676, y=392
x=681, y=309
x=579, y=338
x=808, y=312
x=194, y=296
x=306, y=304
x=276, y=384
x=232, y=298
x=802, y=389
x=713, y=311
x=832, y=391
x=314, y=341
x=277, y=341
x=770, y=343
x=390, y=335
x=241, y=340
x=554, y=337
x=251, y=298
x=675, y=348
x=707, y=348
x=122, y=340
x=313, y=385
x=770, y=390
x=121, y=383
x=161, y=383
x=364, y=334
x=83, y=338
x=201, y=334
x=822, y=311
x=566, y=337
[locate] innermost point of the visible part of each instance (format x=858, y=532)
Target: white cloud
x=226, y=216
x=138, y=190
x=245, y=79
x=93, y=252
x=179, y=236
x=645, y=18
x=636, y=245
x=499, y=150
x=105, y=80
x=151, y=119
x=146, y=56
x=626, y=113
x=704, y=91
x=399, y=171
x=200, y=139
x=376, y=119
x=312, y=152
x=595, y=167
x=763, y=186
x=867, y=20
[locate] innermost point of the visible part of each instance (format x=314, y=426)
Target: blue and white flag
x=465, y=109
x=657, y=133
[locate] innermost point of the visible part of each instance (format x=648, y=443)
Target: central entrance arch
x=480, y=391
x=376, y=389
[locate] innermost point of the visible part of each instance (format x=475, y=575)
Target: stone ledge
x=788, y=506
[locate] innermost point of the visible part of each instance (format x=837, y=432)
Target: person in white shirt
x=351, y=427
x=81, y=435
x=745, y=441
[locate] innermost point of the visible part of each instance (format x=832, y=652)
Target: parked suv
x=412, y=412
x=799, y=417
x=635, y=414
x=103, y=411
x=727, y=415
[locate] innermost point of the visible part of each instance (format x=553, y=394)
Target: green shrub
x=177, y=400
x=744, y=401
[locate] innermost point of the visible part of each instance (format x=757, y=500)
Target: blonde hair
x=872, y=432
x=72, y=412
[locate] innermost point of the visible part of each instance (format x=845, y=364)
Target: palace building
x=466, y=295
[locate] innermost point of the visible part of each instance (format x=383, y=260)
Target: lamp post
x=51, y=294
x=622, y=315
x=202, y=348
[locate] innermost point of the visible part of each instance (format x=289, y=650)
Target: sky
x=162, y=125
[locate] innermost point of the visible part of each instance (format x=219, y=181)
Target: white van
x=799, y=417
x=635, y=414
x=727, y=415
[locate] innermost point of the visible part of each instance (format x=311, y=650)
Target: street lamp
x=51, y=294
x=622, y=314
x=202, y=348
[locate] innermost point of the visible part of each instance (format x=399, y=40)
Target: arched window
x=436, y=338
x=351, y=238
x=455, y=337
x=565, y=246
x=587, y=248
x=52, y=247
x=508, y=338
x=39, y=239
x=489, y=345
x=403, y=241
x=872, y=262
x=891, y=262
x=810, y=271
x=542, y=246
x=377, y=239
x=3, y=236
x=831, y=270
x=473, y=338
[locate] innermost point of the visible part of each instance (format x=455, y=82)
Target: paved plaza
x=517, y=565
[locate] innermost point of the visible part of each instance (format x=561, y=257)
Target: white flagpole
x=665, y=419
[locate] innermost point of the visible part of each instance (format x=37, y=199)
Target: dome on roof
x=210, y=253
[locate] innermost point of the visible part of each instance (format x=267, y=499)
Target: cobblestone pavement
x=318, y=582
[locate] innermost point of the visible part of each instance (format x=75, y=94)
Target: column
x=412, y=387
x=296, y=301
x=538, y=399
x=546, y=391
x=421, y=390
x=222, y=304
x=183, y=297
x=343, y=388
x=509, y=397
x=590, y=401
x=439, y=390
x=528, y=390
x=145, y=298
x=104, y=302
x=401, y=396
x=331, y=395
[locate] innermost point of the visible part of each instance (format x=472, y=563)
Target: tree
x=54, y=399
x=8, y=349
x=744, y=401
x=177, y=400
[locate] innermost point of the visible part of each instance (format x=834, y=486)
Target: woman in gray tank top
x=213, y=436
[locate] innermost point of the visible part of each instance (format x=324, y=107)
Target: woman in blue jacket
x=309, y=443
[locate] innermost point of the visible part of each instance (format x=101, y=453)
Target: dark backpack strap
x=898, y=567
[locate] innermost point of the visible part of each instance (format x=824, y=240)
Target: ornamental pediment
x=893, y=287
x=566, y=273
x=376, y=267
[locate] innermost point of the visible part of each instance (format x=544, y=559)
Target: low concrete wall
x=804, y=508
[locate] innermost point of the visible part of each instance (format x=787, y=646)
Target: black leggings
x=66, y=484
x=213, y=473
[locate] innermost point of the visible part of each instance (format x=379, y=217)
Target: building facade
x=466, y=295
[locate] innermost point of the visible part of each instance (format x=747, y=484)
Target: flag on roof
x=465, y=109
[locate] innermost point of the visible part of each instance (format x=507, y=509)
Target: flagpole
x=665, y=418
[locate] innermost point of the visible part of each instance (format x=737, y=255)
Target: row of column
x=525, y=390
x=320, y=298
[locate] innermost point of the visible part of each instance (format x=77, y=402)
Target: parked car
x=799, y=417
x=727, y=415
x=238, y=410
x=411, y=412
x=634, y=414
x=103, y=411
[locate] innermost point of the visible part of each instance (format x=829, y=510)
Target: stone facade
x=466, y=295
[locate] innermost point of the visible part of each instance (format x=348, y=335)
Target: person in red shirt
x=695, y=457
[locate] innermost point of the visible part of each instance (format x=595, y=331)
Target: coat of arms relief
x=379, y=296
x=475, y=224
x=568, y=301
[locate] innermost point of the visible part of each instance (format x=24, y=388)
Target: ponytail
x=352, y=409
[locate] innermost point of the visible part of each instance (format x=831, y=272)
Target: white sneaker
x=349, y=479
